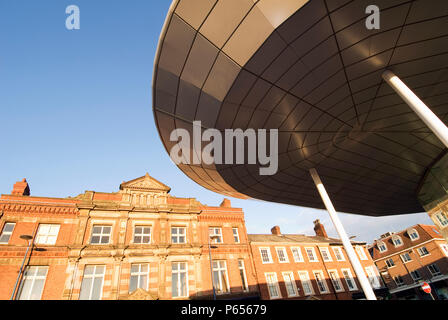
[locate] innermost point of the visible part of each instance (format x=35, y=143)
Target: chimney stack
x=276, y=230
x=21, y=188
x=226, y=203
x=320, y=229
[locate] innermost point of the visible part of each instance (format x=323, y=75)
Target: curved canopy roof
x=312, y=70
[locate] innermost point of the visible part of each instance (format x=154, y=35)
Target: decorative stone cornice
x=38, y=209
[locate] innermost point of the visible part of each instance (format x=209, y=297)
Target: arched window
x=413, y=234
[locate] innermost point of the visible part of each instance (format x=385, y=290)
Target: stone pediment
x=140, y=294
x=145, y=184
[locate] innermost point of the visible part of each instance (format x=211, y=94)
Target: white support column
x=365, y=284
x=417, y=105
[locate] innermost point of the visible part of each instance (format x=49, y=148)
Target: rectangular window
x=442, y=219
x=311, y=254
x=142, y=234
x=405, y=257
x=338, y=253
x=290, y=284
x=382, y=247
x=47, y=234
x=139, y=277
x=361, y=253
x=216, y=235
x=242, y=270
x=179, y=279
x=371, y=274
x=32, y=284
x=422, y=251
x=351, y=284
x=282, y=255
x=265, y=255
x=306, y=283
x=297, y=254
x=399, y=281
x=101, y=235
x=236, y=236
x=272, y=283
x=334, y=277
x=413, y=235
x=390, y=263
x=416, y=275
x=325, y=254
x=8, y=228
x=178, y=235
x=220, y=278
x=320, y=280
x=92, y=283
x=434, y=269
x=444, y=248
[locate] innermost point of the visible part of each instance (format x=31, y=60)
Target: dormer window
x=382, y=246
x=397, y=241
x=413, y=234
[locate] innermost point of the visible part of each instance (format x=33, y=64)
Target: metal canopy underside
x=312, y=70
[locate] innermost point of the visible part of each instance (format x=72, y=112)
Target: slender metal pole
x=20, y=271
x=427, y=116
x=365, y=284
x=211, y=268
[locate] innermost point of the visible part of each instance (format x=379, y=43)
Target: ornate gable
x=145, y=184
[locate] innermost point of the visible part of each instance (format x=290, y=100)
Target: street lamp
x=29, y=239
x=211, y=267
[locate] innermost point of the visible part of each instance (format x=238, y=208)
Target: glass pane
x=8, y=227
x=95, y=239
x=133, y=284
x=44, y=229
x=146, y=239
x=137, y=239
x=135, y=268
x=97, y=288
x=99, y=270
x=89, y=270
x=138, y=230
x=174, y=285
x=85, y=289
x=106, y=230
x=174, y=267
x=105, y=239
x=145, y=267
x=147, y=230
x=54, y=230
x=183, y=283
x=96, y=230
x=42, y=272
x=181, y=239
x=36, y=292
x=5, y=238
x=144, y=282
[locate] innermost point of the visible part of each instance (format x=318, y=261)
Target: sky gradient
x=77, y=115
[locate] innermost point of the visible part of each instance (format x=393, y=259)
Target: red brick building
x=292, y=266
x=410, y=257
x=137, y=243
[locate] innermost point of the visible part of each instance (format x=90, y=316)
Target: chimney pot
x=21, y=188
x=320, y=229
x=276, y=230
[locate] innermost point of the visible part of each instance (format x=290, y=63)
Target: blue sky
x=76, y=111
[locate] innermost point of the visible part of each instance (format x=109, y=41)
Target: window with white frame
x=434, y=269
x=178, y=235
x=236, y=236
x=306, y=283
x=265, y=255
x=272, y=284
x=334, y=277
x=179, y=280
x=373, y=278
x=444, y=248
x=338, y=253
x=242, y=270
x=32, y=284
x=220, y=278
x=349, y=280
x=311, y=254
x=405, y=257
x=397, y=241
x=282, y=255
x=390, y=263
x=382, y=246
x=442, y=219
x=413, y=234
x=422, y=251
x=297, y=254
x=47, y=234
x=325, y=254
x=92, y=283
x=290, y=284
x=399, y=281
x=142, y=234
x=215, y=235
x=361, y=252
x=139, y=277
x=8, y=228
x=100, y=234
x=416, y=275
x=320, y=280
